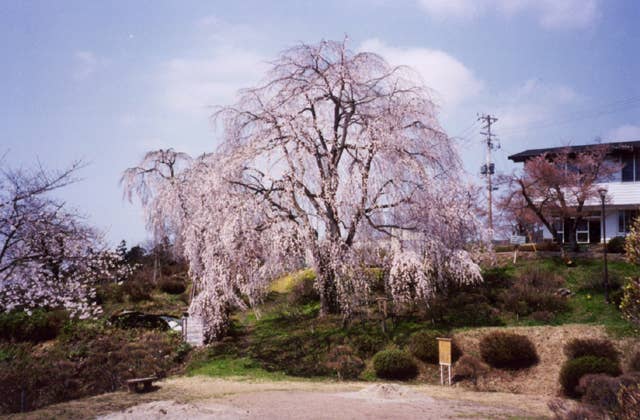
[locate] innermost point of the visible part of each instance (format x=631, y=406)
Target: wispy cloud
x=85, y=64
x=534, y=107
x=193, y=85
x=552, y=14
x=624, y=132
x=211, y=75
x=453, y=82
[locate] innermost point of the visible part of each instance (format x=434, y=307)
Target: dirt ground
x=200, y=397
x=499, y=394
x=541, y=379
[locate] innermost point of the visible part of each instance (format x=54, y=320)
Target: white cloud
x=86, y=63
x=553, y=14
x=192, y=85
x=449, y=77
x=460, y=9
x=212, y=73
x=625, y=132
x=534, y=104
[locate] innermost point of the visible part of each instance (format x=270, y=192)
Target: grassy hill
x=285, y=338
x=290, y=339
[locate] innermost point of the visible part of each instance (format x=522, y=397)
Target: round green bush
x=574, y=369
x=394, y=364
x=581, y=347
x=424, y=346
x=508, y=351
x=616, y=245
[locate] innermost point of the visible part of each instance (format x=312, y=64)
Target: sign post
x=444, y=353
x=517, y=240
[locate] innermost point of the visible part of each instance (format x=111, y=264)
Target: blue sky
x=107, y=81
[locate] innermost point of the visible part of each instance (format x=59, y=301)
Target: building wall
x=621, y=194
x=611, y=224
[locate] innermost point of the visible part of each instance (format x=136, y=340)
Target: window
x=559, y=225
x=631, y=167
x=628, y=168
x=625, y=220
x=582, y=232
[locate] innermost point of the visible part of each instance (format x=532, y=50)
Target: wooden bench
x=141, y=384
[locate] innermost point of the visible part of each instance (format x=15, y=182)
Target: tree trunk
x=570, y=234
x=328, y=293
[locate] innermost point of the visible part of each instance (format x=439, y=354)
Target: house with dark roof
x=623, y=193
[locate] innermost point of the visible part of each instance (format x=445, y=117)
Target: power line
x=610, y=108
x=463, y=135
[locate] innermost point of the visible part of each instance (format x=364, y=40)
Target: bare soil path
x=201, y=397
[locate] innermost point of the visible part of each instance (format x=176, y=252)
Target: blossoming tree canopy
x=335, y=155
x=345, y=149
x=156, y=182
x=48, y=257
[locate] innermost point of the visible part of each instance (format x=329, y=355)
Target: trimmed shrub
x=172, y=286
x=468, y=367
x=580, y=347
x=394, y=364
x=344, y=363
x=574, y=369
x=634, y=362
x=616, y=245
x=41, y=325
x=508, y=351
x=424, y=346
x=599, y=390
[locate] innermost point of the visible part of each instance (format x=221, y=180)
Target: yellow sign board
x=444, y=351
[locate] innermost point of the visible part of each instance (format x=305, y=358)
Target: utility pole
x=488, y=169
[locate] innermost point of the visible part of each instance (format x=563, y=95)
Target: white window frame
x=583, y=231
x=559, y=231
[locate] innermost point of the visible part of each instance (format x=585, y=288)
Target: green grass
x=286, y=283
x=587, y=304
x=591, y=308
x=227, y=367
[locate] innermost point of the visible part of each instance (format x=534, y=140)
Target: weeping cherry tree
x=335, y=154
